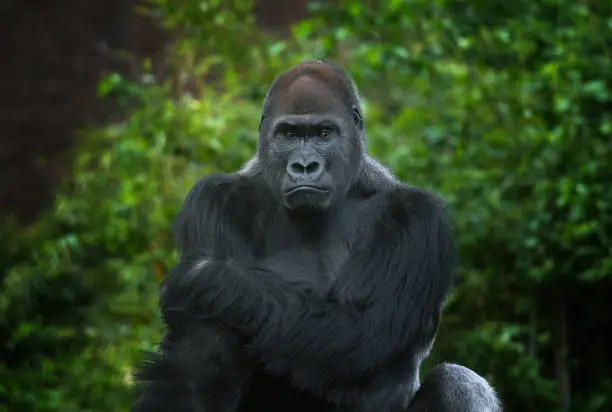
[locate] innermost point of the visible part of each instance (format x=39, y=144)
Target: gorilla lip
x=305, y=188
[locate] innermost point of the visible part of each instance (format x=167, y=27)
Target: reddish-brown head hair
x=311, y=87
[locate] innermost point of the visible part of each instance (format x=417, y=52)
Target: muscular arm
x=214, y=226
x=217, y=218
x=399, y=274
x=200, y=365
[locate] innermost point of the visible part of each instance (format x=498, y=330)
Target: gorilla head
x=311, y=136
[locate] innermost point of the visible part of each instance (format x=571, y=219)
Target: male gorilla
x=310, y=280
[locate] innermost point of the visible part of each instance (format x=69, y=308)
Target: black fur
x=322, y=298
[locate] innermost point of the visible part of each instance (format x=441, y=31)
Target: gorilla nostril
x=297, y=168
x=312, y=168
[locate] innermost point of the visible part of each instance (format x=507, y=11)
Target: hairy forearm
x=291, y=325
x=226, y=291
x=299, y=334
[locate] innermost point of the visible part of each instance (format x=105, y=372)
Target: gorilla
x=309, y=280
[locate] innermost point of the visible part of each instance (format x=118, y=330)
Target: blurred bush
x=503, y=108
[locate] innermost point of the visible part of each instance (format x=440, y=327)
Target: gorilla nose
x=305, y=169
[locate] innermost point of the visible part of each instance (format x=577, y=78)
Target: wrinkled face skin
x=310, y=144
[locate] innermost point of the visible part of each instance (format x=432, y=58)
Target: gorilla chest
x=308, y=267
x=310, y=255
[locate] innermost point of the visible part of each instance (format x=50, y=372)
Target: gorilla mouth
x=306, y=189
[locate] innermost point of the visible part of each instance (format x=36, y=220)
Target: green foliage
x=503, y=108
x=79, y=296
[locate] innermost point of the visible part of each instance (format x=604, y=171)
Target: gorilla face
x=310, y=147
x=310, y=141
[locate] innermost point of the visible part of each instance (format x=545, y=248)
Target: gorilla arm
x=204, y=225
x=200, y=365
x=386, y=305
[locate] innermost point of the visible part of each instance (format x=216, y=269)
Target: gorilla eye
x=323, y=134
x=290, y=133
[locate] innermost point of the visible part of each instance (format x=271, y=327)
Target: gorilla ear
x=261, y=121
x=357, y=117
